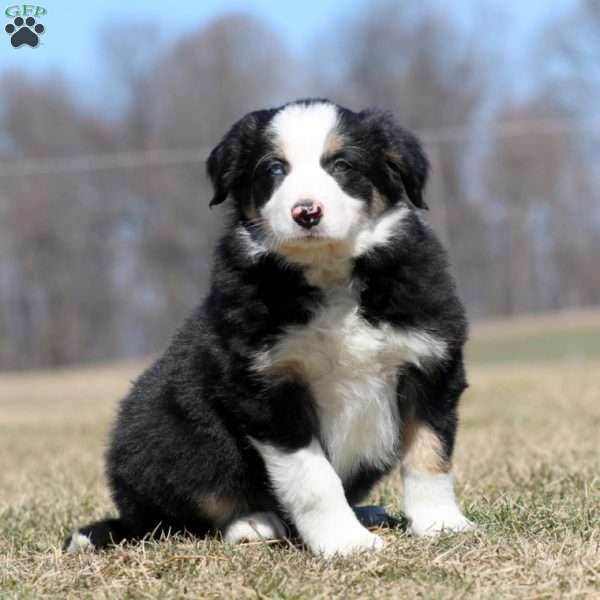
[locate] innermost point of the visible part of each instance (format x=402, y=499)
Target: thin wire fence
x=28, y=167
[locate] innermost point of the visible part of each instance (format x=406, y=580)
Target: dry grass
x=527, y=464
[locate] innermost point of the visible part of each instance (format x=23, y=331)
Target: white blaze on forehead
x=301, y=131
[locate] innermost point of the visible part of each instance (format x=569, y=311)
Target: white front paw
x=344, y=542
x=432, y=522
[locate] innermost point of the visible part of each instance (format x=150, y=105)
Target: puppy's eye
x=341, y=166
x=276, y=168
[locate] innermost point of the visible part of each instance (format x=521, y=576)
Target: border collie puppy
x=328, y=350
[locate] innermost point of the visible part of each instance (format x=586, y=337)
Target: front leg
x=429, y=431
x=311, y=492
x=429, y=500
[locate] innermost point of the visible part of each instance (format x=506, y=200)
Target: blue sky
x=71, y=39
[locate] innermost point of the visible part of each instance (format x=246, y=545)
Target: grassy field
x=565, y=337
x=527, y=464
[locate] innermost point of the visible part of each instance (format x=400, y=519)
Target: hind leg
x=137, y=521
x=254, y=527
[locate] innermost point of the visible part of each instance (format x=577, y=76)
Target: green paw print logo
x=25, y=28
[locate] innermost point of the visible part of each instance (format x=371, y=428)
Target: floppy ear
x=228, y=162
x=405, y=165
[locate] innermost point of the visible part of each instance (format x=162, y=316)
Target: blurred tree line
x=101, y=258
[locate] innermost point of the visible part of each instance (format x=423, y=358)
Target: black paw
x=24, y=31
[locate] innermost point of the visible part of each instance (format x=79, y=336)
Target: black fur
x=182, y=432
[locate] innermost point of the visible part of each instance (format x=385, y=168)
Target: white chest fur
x=351, y=368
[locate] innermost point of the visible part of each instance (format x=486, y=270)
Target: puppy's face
x=312, y=173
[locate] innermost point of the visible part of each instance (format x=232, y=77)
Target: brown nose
x=307, y=213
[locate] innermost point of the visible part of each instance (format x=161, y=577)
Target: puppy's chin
x=310, y=241
x=313, y=250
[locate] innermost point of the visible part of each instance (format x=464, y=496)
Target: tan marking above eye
x=333, y=144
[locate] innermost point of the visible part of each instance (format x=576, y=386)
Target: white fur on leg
x=255, y=527
x=79, y=543
x=430, y=503
x=311, y=492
